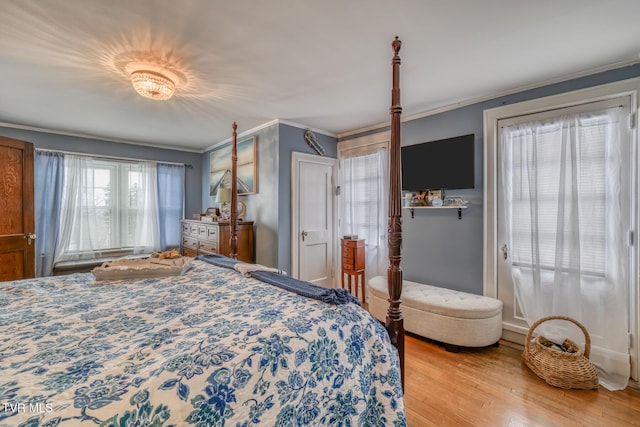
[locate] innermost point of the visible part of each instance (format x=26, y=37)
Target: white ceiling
x=323, y=64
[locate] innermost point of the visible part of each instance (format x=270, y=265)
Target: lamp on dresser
x=223, y=197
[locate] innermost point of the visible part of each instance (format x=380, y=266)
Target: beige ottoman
x=452, y=317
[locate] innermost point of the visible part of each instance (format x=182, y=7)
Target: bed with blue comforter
x=207, y=348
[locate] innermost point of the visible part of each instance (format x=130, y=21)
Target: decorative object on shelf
x=220, y=168
x=407, y=199
x=560, y=365
x=455, y=201
x=212, y=211
x=420, y=199
x=242, y=211
x=312, y=141
x=224, y=197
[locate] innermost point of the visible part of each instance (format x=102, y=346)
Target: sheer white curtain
x=107, y=208
x=566, y=187
x=364, y=205
x=78, y=226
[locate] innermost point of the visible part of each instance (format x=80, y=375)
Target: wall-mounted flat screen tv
x=444, y=164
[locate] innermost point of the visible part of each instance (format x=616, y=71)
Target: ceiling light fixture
x=152, y=81
x=152, y=85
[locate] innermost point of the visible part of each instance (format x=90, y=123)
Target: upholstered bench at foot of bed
x=452, y=317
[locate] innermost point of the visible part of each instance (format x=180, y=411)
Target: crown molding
x=241, y=135
x=266, y=125
x=495, y=95
x=94, y=137
x=303, y=127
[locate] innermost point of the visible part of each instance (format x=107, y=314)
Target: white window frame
x=118, y=208
x=491, y=253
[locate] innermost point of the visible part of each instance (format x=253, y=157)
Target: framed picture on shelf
x=220, y=167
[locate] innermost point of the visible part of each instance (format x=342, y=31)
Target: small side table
x=353, y=264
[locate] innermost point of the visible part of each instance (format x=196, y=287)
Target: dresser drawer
x=347, y=252
x=185, y=228
x=202, y=231
x=353, y=254
x=212, y=233
x=208, y=247
x=347, y=263
x=190, y=243
x=193, y=229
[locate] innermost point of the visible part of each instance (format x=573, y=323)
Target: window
x=109, y=209
x=364, y=200
x=594, y=154
x=116, y=190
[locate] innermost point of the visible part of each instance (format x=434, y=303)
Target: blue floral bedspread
x=208, y=348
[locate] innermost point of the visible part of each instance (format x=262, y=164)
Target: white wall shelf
x=459, y=208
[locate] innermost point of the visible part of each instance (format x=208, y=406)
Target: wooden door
x=17, y=248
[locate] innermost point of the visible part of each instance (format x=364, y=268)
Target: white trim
x=263, y=126
x=366, y=129
x=241, y=135
x=353, y=147
x=94, y=137
x=363, y=141
x=630, y=87
x=296, y=159
x=494, y=95
x=163, y=147
x=301, y=126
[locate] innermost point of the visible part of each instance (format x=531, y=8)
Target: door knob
x=304, y=234
x=30, y=238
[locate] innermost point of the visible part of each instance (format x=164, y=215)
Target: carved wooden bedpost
x=394, y=321
x=233, y=217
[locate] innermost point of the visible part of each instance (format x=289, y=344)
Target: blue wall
x=48, y=141
x=437, y=248
x=292, y=139
x=261, y=206
x=270, y=207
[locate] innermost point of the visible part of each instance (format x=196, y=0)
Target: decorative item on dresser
x=200, y=237
x=353, y=264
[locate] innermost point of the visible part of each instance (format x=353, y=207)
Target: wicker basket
x=568, y=367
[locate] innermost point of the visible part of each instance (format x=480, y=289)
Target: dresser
x=353, y=265
x=200, y=237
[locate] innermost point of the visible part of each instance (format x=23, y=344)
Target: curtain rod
x=128, y=159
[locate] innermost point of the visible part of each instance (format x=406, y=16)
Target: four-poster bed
x=394, y=321
x=209, y=347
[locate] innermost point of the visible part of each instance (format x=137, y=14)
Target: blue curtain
x=170, y=204
x=48, y=185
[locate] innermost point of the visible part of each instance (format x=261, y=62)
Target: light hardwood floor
x=492, y=387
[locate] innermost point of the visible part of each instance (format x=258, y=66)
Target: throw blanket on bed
x=246, y=269
x=309, y=290
x=206, y=348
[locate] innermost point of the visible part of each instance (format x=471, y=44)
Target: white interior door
x=313, y=233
